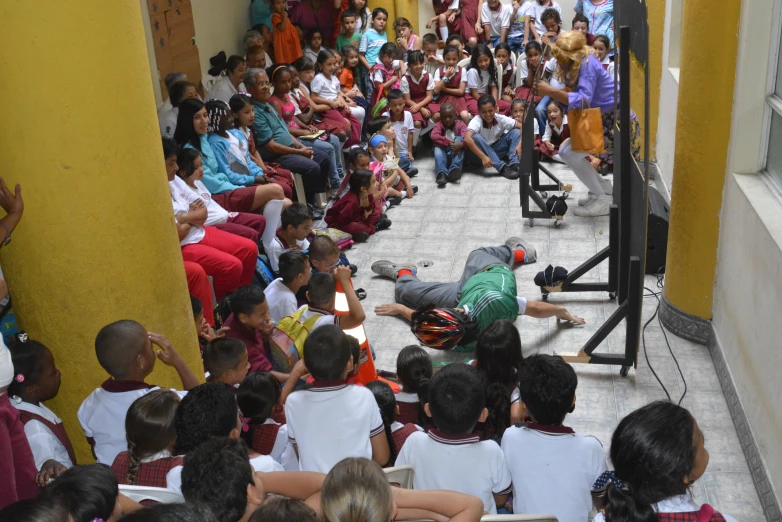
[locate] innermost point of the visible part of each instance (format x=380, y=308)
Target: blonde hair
x=356, y=490
x=570, y=50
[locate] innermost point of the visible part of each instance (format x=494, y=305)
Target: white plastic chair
x=519, y=61
x=519, y=518
x=464, y=63
x=160, y=495
x=401, y=475
x=272, y=211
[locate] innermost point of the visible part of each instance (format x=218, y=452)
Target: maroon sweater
x=17, y=465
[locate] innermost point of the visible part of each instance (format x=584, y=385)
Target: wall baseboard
x=688, y=326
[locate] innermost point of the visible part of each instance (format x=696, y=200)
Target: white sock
x=404, y=194
x=522, y=304
x=386, y=205
x=444, y=33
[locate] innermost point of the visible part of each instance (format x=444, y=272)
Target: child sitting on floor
x=552, y=466
x=150, y=432
x=413, y=370
x=356, y=212
x=396, y=432
x=492, y=137
x=36, y=380
x=394, y=178
x=250, y=323
x=404, y=126
x=258, y=396
x=324, y=255
x=124, y=350
x=295, y=226
x=417, y=87
x=382, y=125
x=557, y=131
x=451, y=457
x=322, y=439
x=450, y=84
x=447, y=139
x=518, y=110
x=430, y=46
x=322, y=296
x=295, y=272
x=226, y=361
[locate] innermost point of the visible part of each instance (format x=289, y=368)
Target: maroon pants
x=229, y=259
x=245, y=224
x=367, y=225
x=17, y=465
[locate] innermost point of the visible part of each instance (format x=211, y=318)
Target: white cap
x=6, y=365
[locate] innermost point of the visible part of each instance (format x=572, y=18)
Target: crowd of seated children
x=448, y=142
x=450, y=456
x=450, y=84
x=125, y=350
x=553, y=467
x=326, y=89
x=534, y=10
x=295, y=272
x=226, y=360
x=356, y=212
x=492, y=137
x=482, y=80
x=357, y=432
x=150, y=432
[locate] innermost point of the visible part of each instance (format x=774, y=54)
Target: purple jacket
x=595, y=87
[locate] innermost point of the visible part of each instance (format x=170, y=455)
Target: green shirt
x=354, y=40
x=490, y=295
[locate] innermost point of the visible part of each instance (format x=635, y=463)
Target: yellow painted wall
x=702, y=138
x=97, y=242
x=656, y=21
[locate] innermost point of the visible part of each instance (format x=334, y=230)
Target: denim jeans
x=505, y=146
x=494, y=40
x=334, y=150
x=404, y=162
x=516, y=45
x=445, y=159
x=540, y=112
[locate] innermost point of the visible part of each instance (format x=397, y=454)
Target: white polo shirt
x=553, y=469
x=407, y=78
x=277, y=246
x=497, y=20
x=282, y=302
x=181, y=197
x=324, y=316
x=330, y=422
x=326, y=88
x=534, y=10
x=459, y=463
x=262, y=463
x=102, y=415
x=402, y=129
x=438, y=77
x=477, y=79
x=501, y=125
x=216, y=215
x=43, y=441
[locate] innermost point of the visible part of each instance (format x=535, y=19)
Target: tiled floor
x=444, y=225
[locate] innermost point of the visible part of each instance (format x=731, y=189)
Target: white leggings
x=581, y=167
x=358, y=113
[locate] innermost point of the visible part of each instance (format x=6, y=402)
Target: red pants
x=229, y=259
x=245, y=224
x=199, y=287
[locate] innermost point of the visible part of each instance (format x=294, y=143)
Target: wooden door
x=174, y=35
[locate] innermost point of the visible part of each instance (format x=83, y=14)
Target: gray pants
x=413, y=293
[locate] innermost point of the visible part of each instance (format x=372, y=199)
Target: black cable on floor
x=660, y=284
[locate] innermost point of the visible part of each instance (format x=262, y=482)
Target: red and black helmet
x=440, y=328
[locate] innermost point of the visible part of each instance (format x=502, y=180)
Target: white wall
x=748, y=286
x=669, y=96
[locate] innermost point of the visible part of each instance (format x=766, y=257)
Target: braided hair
x=216, y=109
x=384, y=396
x=149, y=427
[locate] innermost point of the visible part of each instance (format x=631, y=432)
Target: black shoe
x=382, y=224
x=361, y=237
x=412, y=172
x=455, y=175
x=415, y=189
x=510, y=171
x=353, y=269
x=441, y=179
x=394, y=200
x=383, y=216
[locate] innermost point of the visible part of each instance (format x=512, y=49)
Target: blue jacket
x=217, y=182
x=226, y=158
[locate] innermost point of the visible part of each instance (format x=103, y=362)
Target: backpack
x=287, y=340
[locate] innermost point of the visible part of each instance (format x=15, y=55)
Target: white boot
x=597, y=207
x=608, y=187
x=586, y=199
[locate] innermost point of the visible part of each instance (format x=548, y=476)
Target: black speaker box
x=657, y=232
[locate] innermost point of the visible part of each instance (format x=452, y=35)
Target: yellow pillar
x=409, y=10
x=702, y=136
x=97, y=241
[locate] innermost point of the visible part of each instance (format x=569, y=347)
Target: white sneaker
x=598, y=207
x=608, y=187
x=585, y=200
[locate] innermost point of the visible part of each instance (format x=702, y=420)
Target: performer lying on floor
x=445, y=315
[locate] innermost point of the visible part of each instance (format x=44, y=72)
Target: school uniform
x=482, y=82
x=440, y=7
x=324, y=317
x=454, y=82
x=556, y=135
x=278, y=245
x=245, y=224
x=553, y=469
x=348, y=215
x=523, y=90
x=45, y=433
x=329, y=89
x=497, y=20
x=534, y=9
x=332, y=421
x=497, y=140
x=271, y=438
x=401, y=432
x=417, y=89
x=460, y=463
x=408, y=408
x=151, y=471
x=508, y=76
x=17, y=465
x=402, y=126
x=257, y=350
x=282, y=301
x=380, y=74
x=260, y=463
x=680, y=508
x=445, y=159
x=102, y=415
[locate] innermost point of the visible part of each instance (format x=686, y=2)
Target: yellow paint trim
x=97, y=242
x=708, y=65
